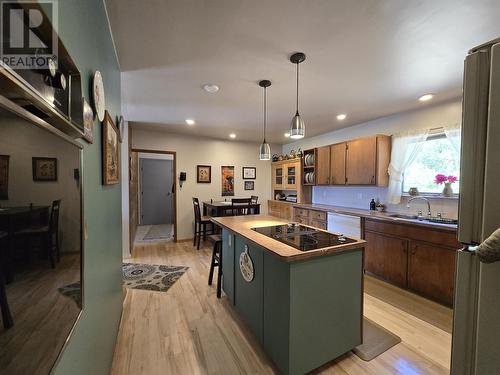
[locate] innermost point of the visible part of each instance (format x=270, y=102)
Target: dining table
x=13, y=219
x=223, y=208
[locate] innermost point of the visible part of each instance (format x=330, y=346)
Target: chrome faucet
x=429, y=213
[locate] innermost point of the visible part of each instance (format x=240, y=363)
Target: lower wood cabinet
x=431, y=270
x=414, y=257
x=317, y=219
x=386, y=257
x=283, y=210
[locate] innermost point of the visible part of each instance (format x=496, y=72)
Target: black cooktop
x=303, y=238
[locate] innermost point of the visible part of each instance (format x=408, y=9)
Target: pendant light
x=297, y=128
x=264, y=149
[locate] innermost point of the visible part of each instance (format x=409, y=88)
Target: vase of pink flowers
x=447, y=181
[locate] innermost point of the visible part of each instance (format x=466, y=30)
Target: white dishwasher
x=347, y=225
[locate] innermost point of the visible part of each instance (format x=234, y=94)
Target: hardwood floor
x=187, y=330
x=43, y=317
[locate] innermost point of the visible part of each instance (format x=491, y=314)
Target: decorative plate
x=246, y=266
x=88, y=121
x=98, y=95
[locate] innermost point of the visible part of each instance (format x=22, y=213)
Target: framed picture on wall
x=4, y=176
x=249, y=173
x=227, y=180
x=44, y=169
x=88, y=122
x=249, y=185
x=203, y=174
x=110, y=152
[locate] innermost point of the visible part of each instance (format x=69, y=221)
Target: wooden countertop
x=242, y=225
x=383, y=216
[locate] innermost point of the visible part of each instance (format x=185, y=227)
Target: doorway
x=154, y=196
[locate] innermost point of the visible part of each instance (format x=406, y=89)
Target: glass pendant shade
x=264, y=151
x=297, y=128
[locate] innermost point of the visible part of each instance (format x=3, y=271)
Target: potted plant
x=447, y=181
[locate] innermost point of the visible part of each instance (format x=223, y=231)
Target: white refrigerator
x=476, y=320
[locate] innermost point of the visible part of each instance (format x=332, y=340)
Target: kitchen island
x=305, y=307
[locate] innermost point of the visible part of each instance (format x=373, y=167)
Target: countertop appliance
x=303, y=238
x=347, y=225
x=476, y=320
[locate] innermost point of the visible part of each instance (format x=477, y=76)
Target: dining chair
x=241, y=206
x=255, y=200
x=216, y=262
x=4, y=304
x=200, y=224
x=48, y=233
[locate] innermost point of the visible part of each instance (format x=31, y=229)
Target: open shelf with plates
x=309, y=167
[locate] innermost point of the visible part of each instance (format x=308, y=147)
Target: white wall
x=191, y=151
x=22, y=141
x=359, y=197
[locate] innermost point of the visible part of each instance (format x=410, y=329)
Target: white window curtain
x=405, y=148
x=453, y=134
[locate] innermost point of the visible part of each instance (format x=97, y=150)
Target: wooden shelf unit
x=309, y=168
x=287, y=178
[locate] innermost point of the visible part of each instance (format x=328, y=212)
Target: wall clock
x=98, y=95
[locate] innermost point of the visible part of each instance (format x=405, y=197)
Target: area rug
x=73, y=291
x=376, y=340
x=153, y=233
x=151, y=276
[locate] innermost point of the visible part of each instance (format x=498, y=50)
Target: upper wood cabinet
x=278, y=172
x=367, y=161
x=323, y=166
x=361, y=161
x=338, y=164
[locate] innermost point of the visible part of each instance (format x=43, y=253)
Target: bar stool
x=200, y=224
x=216, y=262
x=4, y=305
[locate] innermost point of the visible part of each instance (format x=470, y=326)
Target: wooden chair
x=4, y=304
x=241, y=206
x=200, y=224
x=216, y=262
x=254, y=200
x=49, y=234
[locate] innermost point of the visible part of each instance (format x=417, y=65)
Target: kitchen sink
x=441, y=220
x=403, y=216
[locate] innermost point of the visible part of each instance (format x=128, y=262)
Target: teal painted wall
x=83, y=27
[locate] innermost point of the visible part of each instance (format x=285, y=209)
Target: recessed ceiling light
x=211, y=88
x=190, y=122
x=341, y=116
x=232, y=135
x=426, y=97
x=287, y=135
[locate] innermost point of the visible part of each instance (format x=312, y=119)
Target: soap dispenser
x=373, y=205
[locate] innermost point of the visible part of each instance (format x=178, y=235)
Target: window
x=438, y=155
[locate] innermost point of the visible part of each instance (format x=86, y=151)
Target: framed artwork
x=227, y=177
x=44, y=169
x=88, y=122
x=4, y=176
x=203, y=174
x=110, y=152
x=249, y=185
x=249, y=173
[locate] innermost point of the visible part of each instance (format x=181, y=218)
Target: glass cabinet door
x=291, y=176
x=278, y=176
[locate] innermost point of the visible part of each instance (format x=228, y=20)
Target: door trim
x=174, y=154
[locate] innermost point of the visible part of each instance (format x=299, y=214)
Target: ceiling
x=367, y=59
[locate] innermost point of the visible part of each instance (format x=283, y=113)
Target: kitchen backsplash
x=360, y=197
